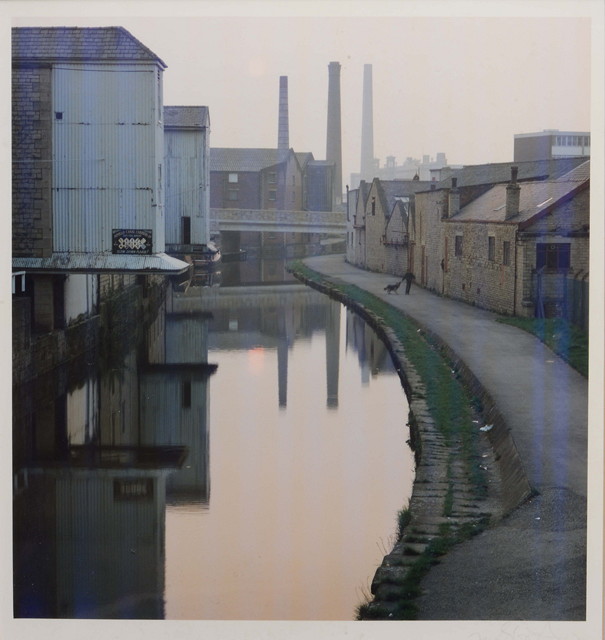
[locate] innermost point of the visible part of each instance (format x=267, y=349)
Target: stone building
x=455, y=237
x=377, y=225
x=510, y=248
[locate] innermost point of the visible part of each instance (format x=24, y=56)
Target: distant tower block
x=367, y=127
x=333, y=144
x=283, y=136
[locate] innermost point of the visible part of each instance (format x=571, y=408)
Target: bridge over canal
x=278, y=221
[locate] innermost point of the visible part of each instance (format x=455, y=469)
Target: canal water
x=247, y=462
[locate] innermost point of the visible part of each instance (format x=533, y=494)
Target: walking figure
x=408, y=277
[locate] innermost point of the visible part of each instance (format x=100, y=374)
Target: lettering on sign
x=136, y=242
x=133, y=489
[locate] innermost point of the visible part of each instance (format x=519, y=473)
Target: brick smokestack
x=333, y=142
x=513, y=195
x=283, y=134
x=367, y=127
x=453, y=205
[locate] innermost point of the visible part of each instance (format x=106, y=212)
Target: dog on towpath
x=392, y=288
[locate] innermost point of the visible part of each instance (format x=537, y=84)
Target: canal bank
x=529, y=563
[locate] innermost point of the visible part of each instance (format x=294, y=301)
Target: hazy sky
x=459, y=85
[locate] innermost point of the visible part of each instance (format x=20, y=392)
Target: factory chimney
x=367, y=127
x=283, y=136
x=333, y=143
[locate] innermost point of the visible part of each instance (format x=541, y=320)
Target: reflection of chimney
x=332, y=352
x=282, y=371
x=513, y=193
x=367, y=126
x=333, y=142
x=283, y=136
x=454, y=199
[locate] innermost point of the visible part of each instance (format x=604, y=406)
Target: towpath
x=532, y=564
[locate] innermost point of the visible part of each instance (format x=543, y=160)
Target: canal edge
x=441, y=485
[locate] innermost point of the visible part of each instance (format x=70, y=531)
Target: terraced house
x=512, y=238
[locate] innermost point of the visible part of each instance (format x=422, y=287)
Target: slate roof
x=186, y=117
x=62, y=44
x=535, y=198
x=494, y=173
x=252, y=160
x=242, y=160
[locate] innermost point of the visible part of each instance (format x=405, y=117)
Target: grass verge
x=565, y=339
x=452, y=408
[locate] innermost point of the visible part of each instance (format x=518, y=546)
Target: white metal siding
x=108, y=552
x=165, y=421
x=105, y=154
x=186, y=340
x=186, y=185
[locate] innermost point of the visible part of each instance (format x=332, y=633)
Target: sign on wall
x=136, y=242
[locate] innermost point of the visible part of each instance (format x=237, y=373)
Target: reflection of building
x=89, y=542
x=372, y=354
x=272, y=318
x=95, y=458
x=174, y=401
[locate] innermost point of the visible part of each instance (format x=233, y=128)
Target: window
x=186, y=394
x=491, y=248
x=272, y=177
x=506, y=252
x=233, y=178
x=232, y=195
x=553, y=256
x=458, y=246
x=186, y=229
x=272, y=194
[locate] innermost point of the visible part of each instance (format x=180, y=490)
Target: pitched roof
x=535, y=198
x=78, y=43
x=494, y=173
x=186, y=117
x=227, y=159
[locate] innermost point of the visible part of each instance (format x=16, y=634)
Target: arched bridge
x=272, y=220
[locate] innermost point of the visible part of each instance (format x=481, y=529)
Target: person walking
x=408, y=277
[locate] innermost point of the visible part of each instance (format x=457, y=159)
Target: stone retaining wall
x=441, y=473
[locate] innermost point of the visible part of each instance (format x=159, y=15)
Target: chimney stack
x=367, y=126
x=453, y=199
x=283, y=135
x=513, y=193
x=333, y=142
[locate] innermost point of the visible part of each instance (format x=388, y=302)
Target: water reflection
x=98, y=453
x=114, y=516
x=309, y=464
